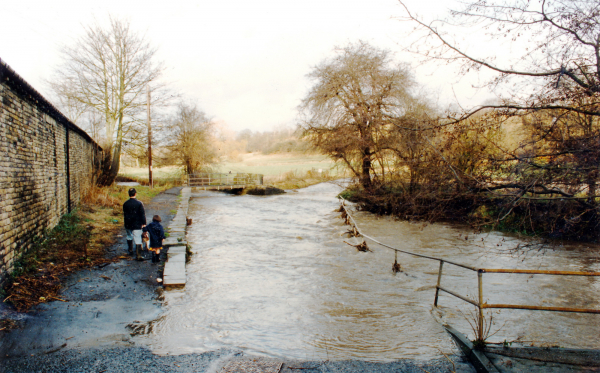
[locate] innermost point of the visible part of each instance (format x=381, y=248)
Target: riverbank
x=553, y=218
x=82, y=239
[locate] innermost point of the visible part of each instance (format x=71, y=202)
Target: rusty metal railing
x=479, y=303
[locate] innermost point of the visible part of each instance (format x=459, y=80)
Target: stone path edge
x=177, y=241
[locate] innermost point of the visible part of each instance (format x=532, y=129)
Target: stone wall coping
x=10, y=77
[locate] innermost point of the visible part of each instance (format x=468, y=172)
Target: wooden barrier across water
x=218, y=180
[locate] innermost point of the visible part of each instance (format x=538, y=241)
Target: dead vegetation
x=396, y=267
x=67, y=248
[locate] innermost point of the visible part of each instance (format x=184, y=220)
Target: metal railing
x=479, y=303
x=217, y=180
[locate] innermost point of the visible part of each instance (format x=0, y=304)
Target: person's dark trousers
x=130, y=247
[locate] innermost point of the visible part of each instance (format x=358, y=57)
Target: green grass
x=277, y=169
x=144, y=193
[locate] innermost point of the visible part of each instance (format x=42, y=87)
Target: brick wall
x=46, y=166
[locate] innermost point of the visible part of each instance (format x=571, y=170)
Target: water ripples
x=272, y=275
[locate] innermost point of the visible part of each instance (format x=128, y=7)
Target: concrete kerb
x=480, y=362
x=174, y=274
x=173, y=242
x=557, y=355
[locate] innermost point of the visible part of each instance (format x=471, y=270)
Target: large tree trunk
x=591, y=182
x=365, y=176
x=110, y=166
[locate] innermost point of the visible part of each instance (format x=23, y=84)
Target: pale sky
x=243, y=62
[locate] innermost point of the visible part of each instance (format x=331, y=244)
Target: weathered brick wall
x=40, y=171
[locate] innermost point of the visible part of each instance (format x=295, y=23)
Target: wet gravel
x=139, y=359
x=91, y=331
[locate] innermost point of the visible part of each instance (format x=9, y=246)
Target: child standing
x=157, y=235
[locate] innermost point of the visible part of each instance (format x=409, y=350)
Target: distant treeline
x=284, y=140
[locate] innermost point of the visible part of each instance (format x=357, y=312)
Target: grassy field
x=170, y=172
x=272, y=166
x=277, y=164
x=287, y=171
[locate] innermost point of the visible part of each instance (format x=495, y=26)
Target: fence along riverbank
x=479, y=303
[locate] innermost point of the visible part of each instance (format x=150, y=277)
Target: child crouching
x=157, y=235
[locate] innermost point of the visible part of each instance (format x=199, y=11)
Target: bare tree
x=106, y=72
x=554, y=58
x=544, y=61
x=190, y=137
x=349, y=113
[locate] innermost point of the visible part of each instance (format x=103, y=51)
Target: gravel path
x=138, y=359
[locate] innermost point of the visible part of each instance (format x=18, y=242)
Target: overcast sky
x=244, y=62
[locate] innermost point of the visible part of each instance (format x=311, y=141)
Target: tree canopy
x=528, y=162
x=189, y=139
x=553, y=51
x=351, y=110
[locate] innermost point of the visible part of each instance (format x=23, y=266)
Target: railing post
x=480, y=306
x=439, y=282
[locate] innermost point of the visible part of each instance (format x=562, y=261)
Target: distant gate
x=216, y=181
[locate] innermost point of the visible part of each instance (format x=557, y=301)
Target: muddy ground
x=92, y=329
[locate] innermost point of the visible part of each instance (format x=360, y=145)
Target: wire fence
x=479, y=303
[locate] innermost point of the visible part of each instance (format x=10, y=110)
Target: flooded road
x=272, y=275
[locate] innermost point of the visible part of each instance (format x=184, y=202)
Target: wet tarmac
x=100, y=303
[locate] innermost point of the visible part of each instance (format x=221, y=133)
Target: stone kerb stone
x=174, y=274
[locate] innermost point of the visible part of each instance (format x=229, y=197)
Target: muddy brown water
x=273, y=276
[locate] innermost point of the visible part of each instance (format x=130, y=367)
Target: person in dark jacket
x=157, y=235
x=134, y=217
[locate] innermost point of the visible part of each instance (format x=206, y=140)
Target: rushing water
x=273, y=275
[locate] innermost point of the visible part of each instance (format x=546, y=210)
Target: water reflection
x=273, y=275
